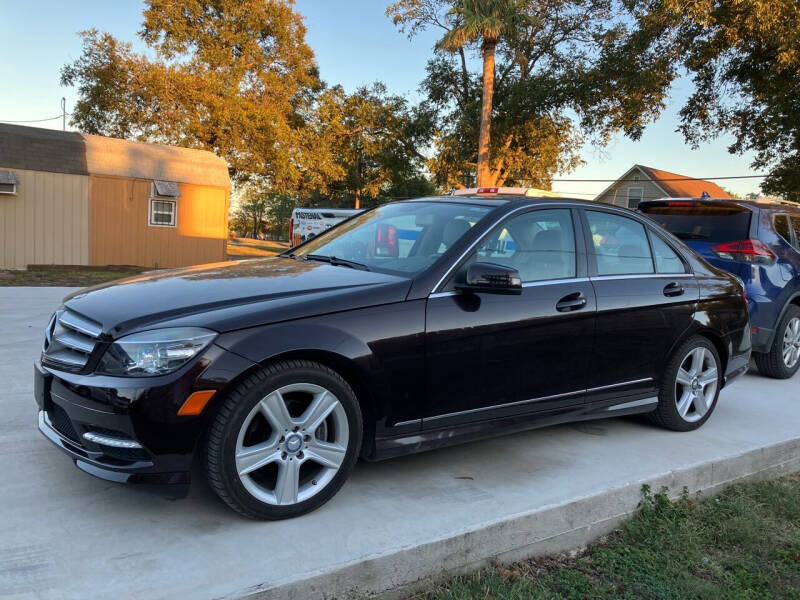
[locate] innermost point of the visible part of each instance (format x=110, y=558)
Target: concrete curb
x=544, y=530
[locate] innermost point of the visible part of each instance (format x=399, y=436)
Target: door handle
x=571, y=302
x=673, y=289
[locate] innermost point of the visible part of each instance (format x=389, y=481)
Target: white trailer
x=310, y=222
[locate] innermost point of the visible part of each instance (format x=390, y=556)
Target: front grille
x=126, y=454
x=61, y=422
x=69, y=340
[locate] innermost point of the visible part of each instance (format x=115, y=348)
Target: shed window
x=8, y=182
x=163, y=213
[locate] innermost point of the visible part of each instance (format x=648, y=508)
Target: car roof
x=504, y=199
x=766, y=204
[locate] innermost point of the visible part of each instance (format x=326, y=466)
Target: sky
x=355, y=44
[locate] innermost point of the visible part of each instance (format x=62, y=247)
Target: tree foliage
x=376, y=141
x=744, y=58
x=482, y=22
x=231, y=76
x=236, y=77
x=567, y=71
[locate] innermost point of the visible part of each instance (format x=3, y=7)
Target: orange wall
x=119, y=233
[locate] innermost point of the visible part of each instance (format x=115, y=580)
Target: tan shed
x=72, y=199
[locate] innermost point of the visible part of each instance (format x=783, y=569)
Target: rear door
x=646, y=298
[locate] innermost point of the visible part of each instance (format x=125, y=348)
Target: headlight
x=154, y=352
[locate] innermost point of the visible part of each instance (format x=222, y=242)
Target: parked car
x=412, y=326
x=759, y=242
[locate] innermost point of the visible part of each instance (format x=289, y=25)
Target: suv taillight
x=750, y=251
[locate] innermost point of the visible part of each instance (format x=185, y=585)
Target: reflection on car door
x=646, y=299
x=493, y=355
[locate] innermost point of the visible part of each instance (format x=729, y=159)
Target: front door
x=492, y=355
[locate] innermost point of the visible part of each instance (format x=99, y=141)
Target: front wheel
x=783, y=359
x=690, y=386
x=284, y=441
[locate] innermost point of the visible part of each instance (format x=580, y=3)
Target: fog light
x=105, y=440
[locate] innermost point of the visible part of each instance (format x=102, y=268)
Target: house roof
x=672, y=185
x=36, y=149
x=681, y=186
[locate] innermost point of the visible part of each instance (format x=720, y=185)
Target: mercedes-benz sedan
x=405, y=328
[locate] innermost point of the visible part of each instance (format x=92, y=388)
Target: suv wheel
x=783, y=359
x=690, y=386
x=284, y=441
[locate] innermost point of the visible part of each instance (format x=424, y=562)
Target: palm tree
x=487, y=21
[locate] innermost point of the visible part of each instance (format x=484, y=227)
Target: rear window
x=715, y=224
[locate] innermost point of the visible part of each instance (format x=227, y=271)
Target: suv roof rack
x=506, y=191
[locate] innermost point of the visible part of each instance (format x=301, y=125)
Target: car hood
x=233, y=295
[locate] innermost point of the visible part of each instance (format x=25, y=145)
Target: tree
x=231, y=76
x=252, y=209
x=744, y=60
x=567, y=71
x=375, y=140
x=486, y=21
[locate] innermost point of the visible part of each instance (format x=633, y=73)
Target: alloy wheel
x=696, y=384
x=791, y=343
x=292, y=444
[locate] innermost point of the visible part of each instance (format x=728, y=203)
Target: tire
x=268, y=462
x=685, y=404
x=787, y=339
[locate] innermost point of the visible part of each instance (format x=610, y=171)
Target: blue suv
x=760, y=243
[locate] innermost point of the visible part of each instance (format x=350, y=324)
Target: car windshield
x=402, y=238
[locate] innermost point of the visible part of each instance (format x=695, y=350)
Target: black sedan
x=405, y=328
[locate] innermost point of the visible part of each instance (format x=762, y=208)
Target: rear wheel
x=783, y=359
x=284, y=441
x=690, y=386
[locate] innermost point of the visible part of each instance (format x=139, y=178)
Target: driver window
x=539, y=244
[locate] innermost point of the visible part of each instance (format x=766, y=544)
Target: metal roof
x=37, y=149
x=140, y=160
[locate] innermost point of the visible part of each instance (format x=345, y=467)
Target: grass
x=250, y=248
x=64, y=277
x=741, y=545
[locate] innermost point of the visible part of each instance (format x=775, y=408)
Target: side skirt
x=422, y=441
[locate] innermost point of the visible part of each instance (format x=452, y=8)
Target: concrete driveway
x=64, y=534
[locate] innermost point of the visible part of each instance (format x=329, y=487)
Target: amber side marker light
x=195, y=403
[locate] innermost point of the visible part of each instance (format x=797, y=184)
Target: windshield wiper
x=337, y=262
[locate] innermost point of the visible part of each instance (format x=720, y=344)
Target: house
x=73, y=199
x=646, y=183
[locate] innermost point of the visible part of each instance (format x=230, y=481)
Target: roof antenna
x=63, y=114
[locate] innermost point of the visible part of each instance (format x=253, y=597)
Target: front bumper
x=85, y=416
x=95, y=462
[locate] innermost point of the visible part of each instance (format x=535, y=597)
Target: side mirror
x=491, y=278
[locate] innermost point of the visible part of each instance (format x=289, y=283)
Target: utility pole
x=63, y=114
